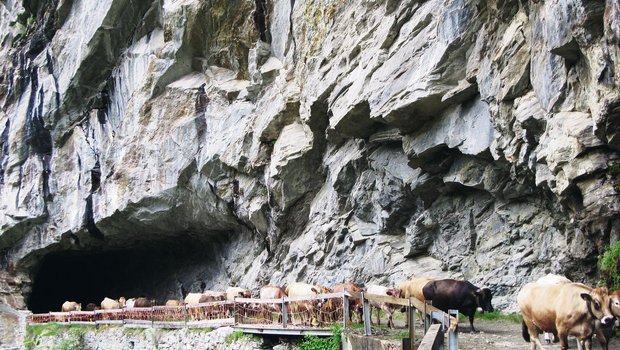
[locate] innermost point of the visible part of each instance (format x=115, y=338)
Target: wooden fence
x=287, y=316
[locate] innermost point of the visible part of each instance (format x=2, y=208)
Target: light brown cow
x=271, y=292
x=565, y=308
x=604, y=333
x=355, y=304
x=68, y=306
x=174, y=302
x=110, y=304
x=552, y=279
x=219, y=296
x=307, y=310
x=236, y=292
x=389, y=309
x=413, y=289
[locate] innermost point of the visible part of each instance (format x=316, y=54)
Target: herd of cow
x=552, y=304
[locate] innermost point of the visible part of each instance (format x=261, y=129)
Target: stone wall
x=123, y=338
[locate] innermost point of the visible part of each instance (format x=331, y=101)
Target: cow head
x=614, y=298
x=393, y=292
x=483, y=299
x=599, y=305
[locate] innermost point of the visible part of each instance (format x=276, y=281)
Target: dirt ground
x=494, y=335
x=491, y=335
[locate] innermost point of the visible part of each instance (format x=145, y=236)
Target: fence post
x=367, y=330
x=345, y=309
x=427, y=317
x=284, y=314
x=411, y=322
x=436, y=315
x=235, y=311
x=453, y=337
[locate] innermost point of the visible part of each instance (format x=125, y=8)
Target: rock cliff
x=160, y=147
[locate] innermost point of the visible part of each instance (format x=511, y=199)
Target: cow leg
x=471, y=322
x=390, y=320
x=533, y=333
x=563, y=335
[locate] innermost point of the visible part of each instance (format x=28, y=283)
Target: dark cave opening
x=160, y=269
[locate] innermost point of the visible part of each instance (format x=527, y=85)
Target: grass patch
x=312, y=342
x=399, y=335
x=238, y=335
x=70, y=337
x=200, y=330
x=496, y=316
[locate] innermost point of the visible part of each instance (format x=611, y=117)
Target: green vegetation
x=497, y=316
x=614, y=169
x=69, y=337
x=609, y=263
x=399, y=335
x=312, y=342
x=238, y=335
x=201, y=330
x=72, y=340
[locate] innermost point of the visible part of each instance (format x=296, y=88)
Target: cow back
x=272, y=292
x=455, y=294
x=298, y=289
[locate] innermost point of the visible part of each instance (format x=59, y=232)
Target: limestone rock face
x=309, y=140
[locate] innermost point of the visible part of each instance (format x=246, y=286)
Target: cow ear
x=586, y=296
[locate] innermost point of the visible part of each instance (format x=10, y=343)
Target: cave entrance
x=161, y=270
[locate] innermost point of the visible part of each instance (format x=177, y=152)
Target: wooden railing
x=288, y=315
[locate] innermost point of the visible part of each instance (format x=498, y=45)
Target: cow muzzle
x=608, y=320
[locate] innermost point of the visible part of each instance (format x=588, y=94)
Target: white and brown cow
x=307, y=310
x=388, y=308
x=565, y=309
x=110, y=304
x=271, y=292
x=68, y=306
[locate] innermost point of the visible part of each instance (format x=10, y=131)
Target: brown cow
x=68, y=306
x=565, y=308
x=143, y=302
x=388, y=308
x=604, y=333
x=272, y=292
x=92, y=307
x=355, y=304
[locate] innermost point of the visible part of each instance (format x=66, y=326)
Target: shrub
x=609, y=266
x=333, y=342
x=73, y=340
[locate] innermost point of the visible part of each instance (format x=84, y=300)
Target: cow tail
x=525, y=332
